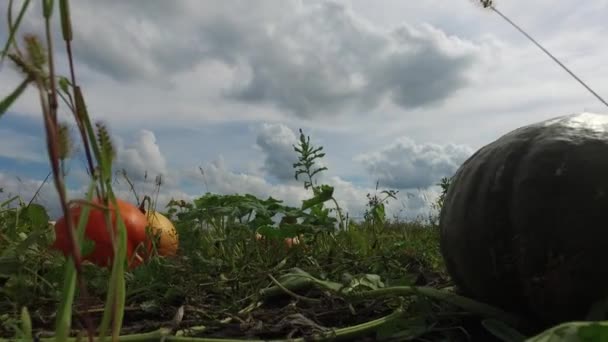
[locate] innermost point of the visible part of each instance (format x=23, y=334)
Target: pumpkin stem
x=143, y=202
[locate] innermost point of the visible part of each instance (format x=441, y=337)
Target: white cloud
x=390, y=68
x=406, y=164
x=141, y=157
x=309, y=59
x=350, y=197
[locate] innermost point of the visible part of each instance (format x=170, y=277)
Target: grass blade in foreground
x=64, y=314
x=8, y=101
x=115, y=300
x=13, y=29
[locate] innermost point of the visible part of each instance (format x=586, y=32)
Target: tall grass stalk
x=37, y=64
x=489, y=4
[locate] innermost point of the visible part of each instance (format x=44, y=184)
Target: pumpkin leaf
x=574, y=332
x=324, y=194
x=298, y=273
x=502, y=330
x=366, y=282
x=288, y=281
x=593, y=332
x=403, y=329
x=36, y=214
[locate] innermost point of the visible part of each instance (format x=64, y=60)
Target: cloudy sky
x=397, y=92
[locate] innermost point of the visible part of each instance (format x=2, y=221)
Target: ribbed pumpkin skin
x=524, y=224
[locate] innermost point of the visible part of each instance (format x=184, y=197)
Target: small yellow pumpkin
x=161, y=226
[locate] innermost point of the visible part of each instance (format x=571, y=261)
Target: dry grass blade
x=490, y=4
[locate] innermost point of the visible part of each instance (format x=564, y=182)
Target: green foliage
x=375, y=214
x=308, y=154
x=444, y=183
x=574, y=332
x=307, y=158
x=221, y=264
x=37, y=65
x=25, y=263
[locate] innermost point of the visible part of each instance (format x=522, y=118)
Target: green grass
x=226, y=281
x=366, y=281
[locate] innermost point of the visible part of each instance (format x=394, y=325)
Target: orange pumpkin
x=103, y=253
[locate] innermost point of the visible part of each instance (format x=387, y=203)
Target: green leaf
x=26, y=324
x=403, y=329
x=325, y=193
x=8, y=101
x=64, y=84
x=298, y=273
x=290, y=281
x=574, y=332
x=379, y=214
x=593, y=332
x=502, y=330
x=271, y=232
x=36, y=214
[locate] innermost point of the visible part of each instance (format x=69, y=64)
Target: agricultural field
x=245, y=268
x=225, y=283
x=371, y=280
x=249, y=268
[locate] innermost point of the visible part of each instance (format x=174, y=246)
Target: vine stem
x=347, y=333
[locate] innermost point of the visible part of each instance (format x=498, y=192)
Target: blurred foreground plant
x=35, y=61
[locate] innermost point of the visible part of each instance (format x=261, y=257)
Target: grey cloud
x=327, y=60
x=23, y=147
x=309, y=59
x=406, y=164
x=420, y=71
x=276, y=141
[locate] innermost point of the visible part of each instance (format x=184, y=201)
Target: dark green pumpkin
x=524, y=225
